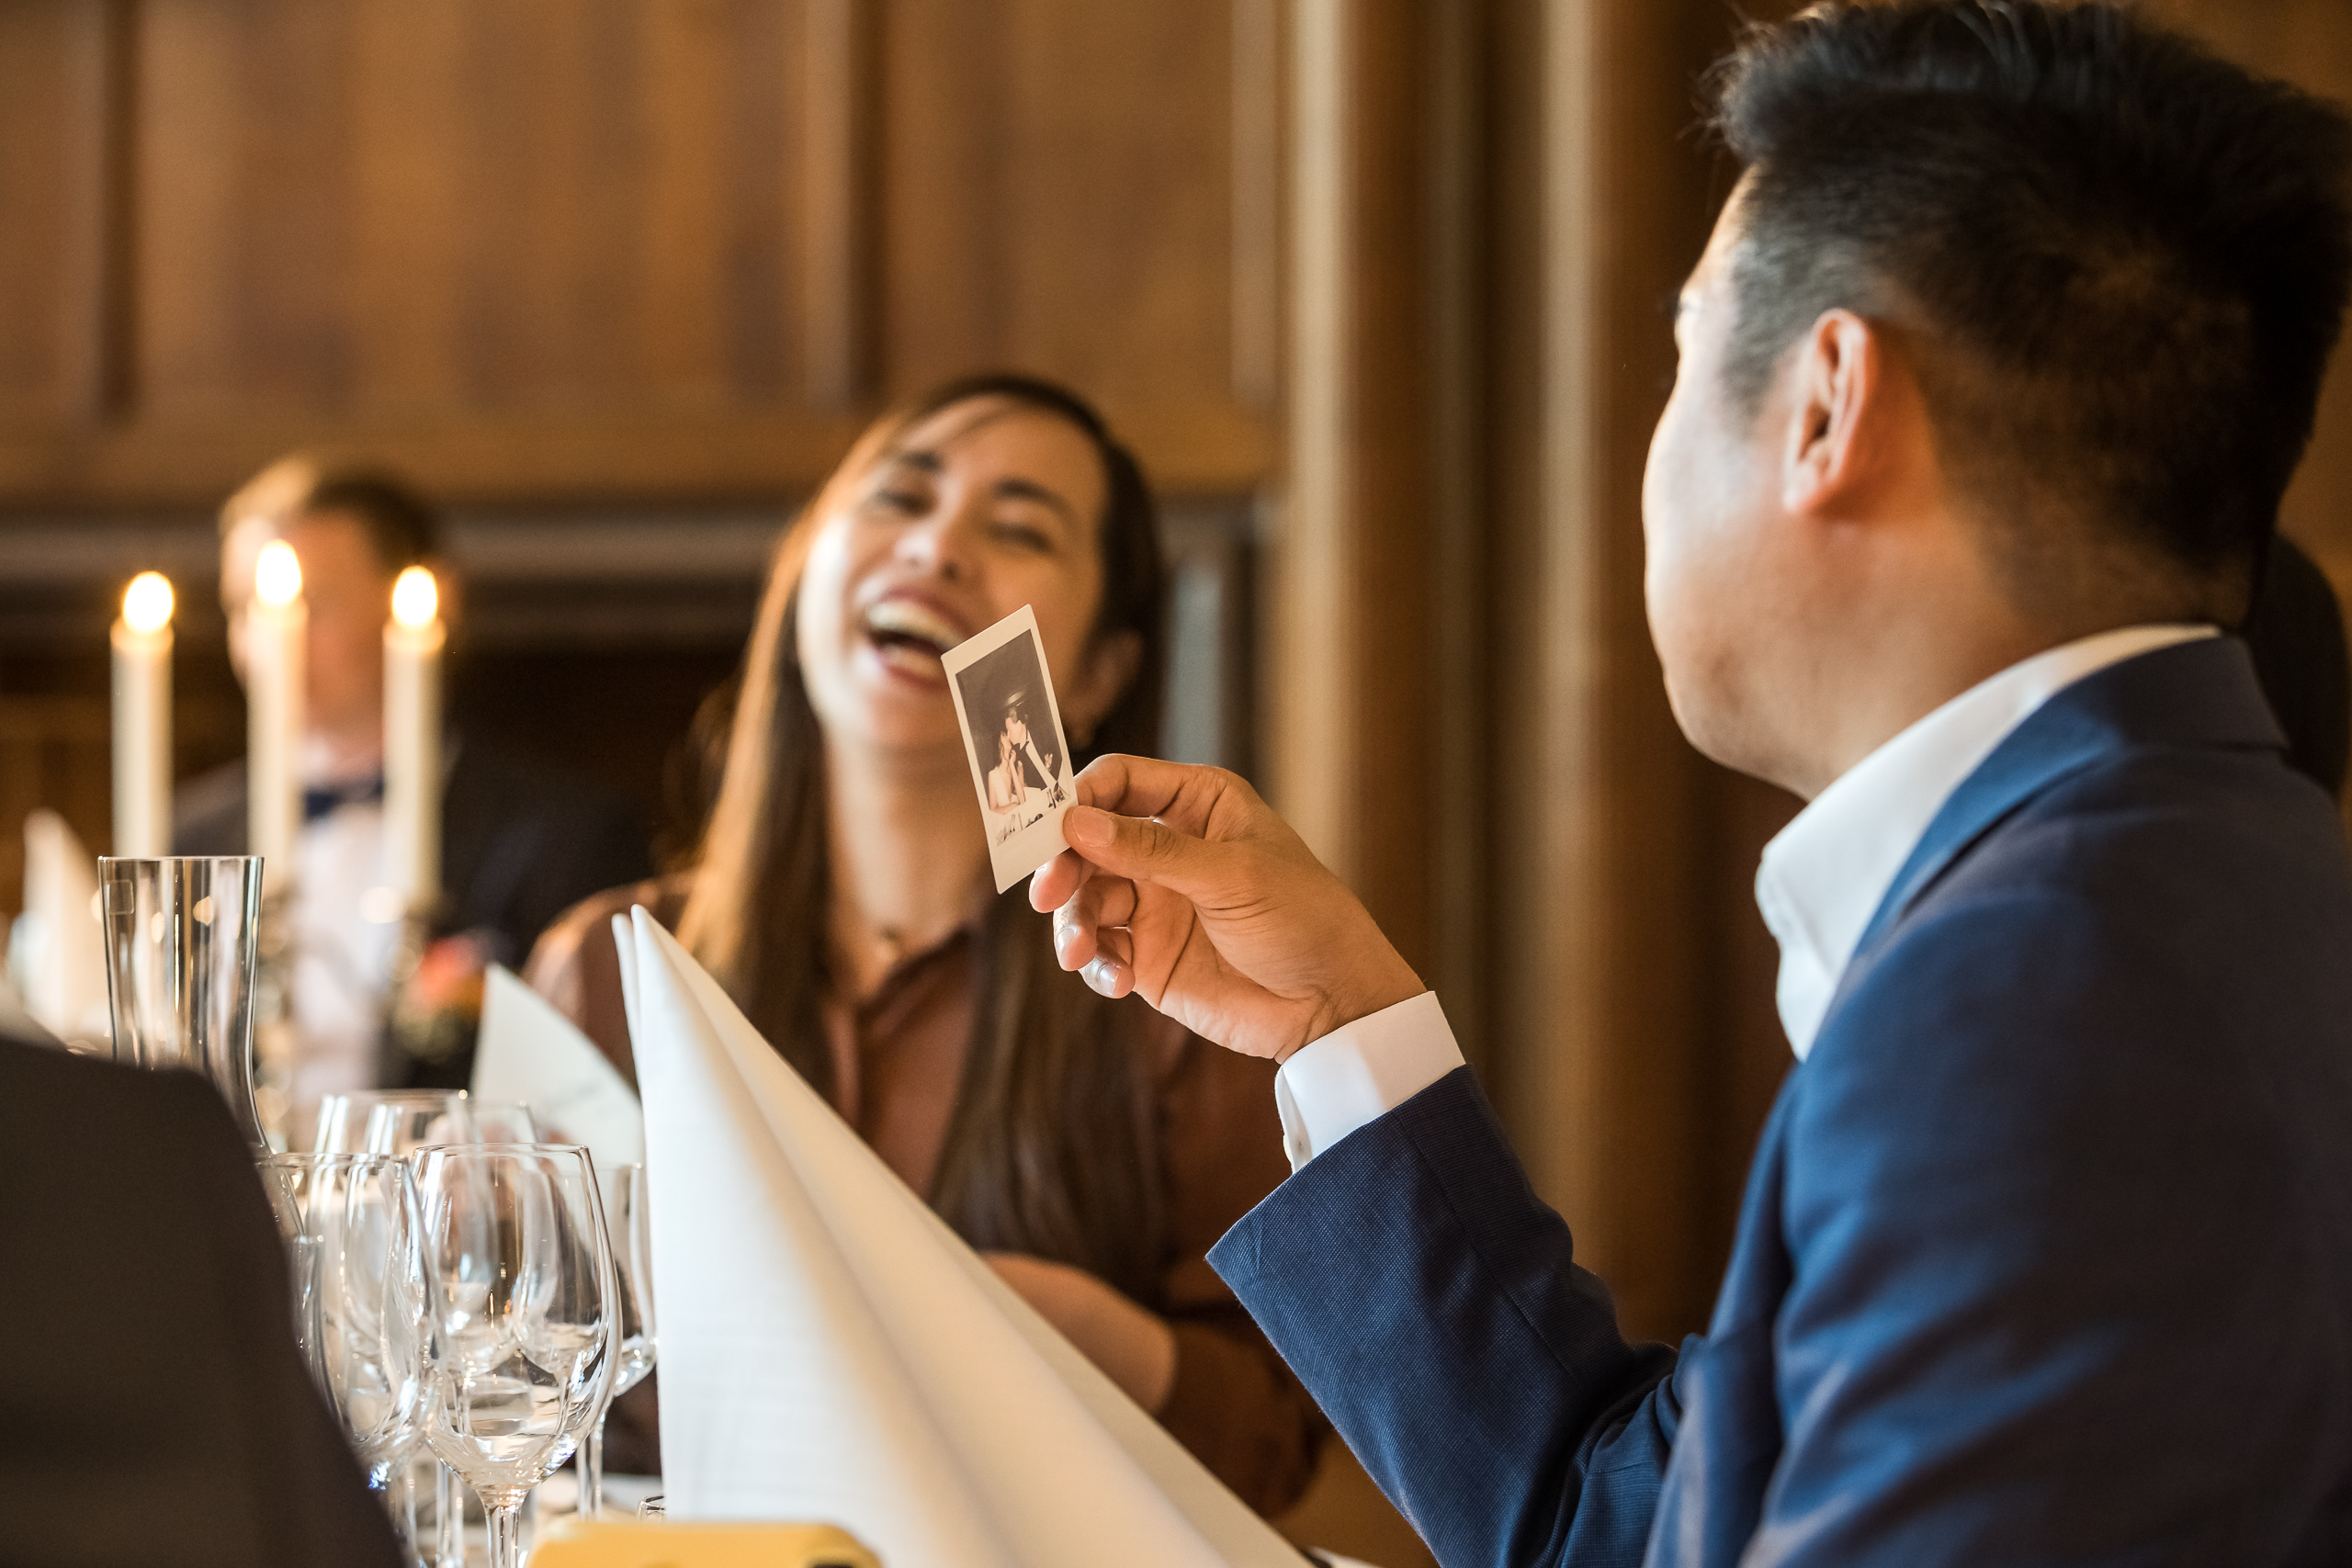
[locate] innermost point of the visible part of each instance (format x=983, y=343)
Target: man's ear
x=1838, y=382
x=1111, y=662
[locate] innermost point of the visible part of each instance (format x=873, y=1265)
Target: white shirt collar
x=1822, y=876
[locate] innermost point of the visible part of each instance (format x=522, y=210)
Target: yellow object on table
x=657, y=1543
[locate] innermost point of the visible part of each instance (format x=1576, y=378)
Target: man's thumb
x=1133, y=847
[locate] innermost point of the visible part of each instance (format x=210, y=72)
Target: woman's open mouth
x=910, y=636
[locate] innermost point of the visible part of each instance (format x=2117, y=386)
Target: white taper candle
x=142, y=718
x=413, y=643
x=276, y=635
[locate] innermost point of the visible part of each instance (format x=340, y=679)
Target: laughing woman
x=843, y=895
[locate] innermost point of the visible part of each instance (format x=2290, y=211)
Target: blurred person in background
x=844, y=899
x=519, y=841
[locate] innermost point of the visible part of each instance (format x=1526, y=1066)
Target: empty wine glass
x=363, y=1309
x=501, y=1122
x=518, y=1253
x=344, y=1119
x=398, y=1121
x=181, y=940
x=630, y=1226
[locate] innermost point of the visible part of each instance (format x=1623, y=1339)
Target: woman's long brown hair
x=1052, y=1146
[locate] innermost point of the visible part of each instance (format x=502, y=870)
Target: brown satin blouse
x=898, y=1056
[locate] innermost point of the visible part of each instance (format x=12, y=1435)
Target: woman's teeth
x=915, y=658
x=900, y=619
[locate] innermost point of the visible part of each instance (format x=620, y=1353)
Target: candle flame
x=416, y=598
x=278, y=575
x=147, y=602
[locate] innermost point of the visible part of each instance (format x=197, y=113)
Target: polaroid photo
x=1013, y=737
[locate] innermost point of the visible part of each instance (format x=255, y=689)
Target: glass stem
x=592, y=1472
x=448, y=1518
x=399, y=1498
x=504, y=1515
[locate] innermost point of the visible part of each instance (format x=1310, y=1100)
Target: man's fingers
x=1103, y=901
x=1112, y=971
x=1056, y=881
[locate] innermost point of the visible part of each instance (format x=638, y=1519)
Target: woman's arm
x=1134, y=1348
x=1232, y=1402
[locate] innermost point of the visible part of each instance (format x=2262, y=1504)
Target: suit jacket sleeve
x=1433, y=1306
x=2011, y=1270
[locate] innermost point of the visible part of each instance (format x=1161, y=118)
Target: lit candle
x=276, y=630
x=412, y=642
x=142, y=718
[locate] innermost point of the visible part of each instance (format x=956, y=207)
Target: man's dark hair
x=400, y=525
x=2127, y=258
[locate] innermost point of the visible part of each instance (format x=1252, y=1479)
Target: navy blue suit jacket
x=2046, y=1254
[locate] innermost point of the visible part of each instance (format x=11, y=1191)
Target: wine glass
x=182, y=933
x=629, y=1221
x=398, y=1122
x=518, y=1254
x=433, y=1115
x=363, y=1313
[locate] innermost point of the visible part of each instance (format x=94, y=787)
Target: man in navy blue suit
x=1993, y=375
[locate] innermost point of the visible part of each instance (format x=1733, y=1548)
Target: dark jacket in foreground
x=2046, y=1255
x=153, y=1410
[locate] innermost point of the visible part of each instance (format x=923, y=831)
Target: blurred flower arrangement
x=437, y=1004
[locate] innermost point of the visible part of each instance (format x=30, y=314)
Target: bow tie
x=330, y=799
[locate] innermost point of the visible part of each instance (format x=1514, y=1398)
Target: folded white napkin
x=530, y=1052
x=832, y=1351
x=16, y=1023
x=58, y=948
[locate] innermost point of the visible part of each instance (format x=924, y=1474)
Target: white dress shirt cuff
x=1360, y=1072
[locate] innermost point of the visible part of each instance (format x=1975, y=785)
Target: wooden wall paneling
x=637, y=249
x=1117, y=166
x=838, y=81
x=1257, y=176
x=242, y=238
x=682, y=135
x=58, y=752
x=382, y=212
x=410, y=204
x=1455, y=215
x=941, y=138
x=1608, y=1015
x=1365, y=736
x=36, y=132
x=1389, y=486
x=1309, y=743
x=100, y=190
x=60, y=98
x=1058, y=194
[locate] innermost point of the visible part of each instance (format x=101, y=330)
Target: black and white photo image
x=1002, y=694
x=1012, y=734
